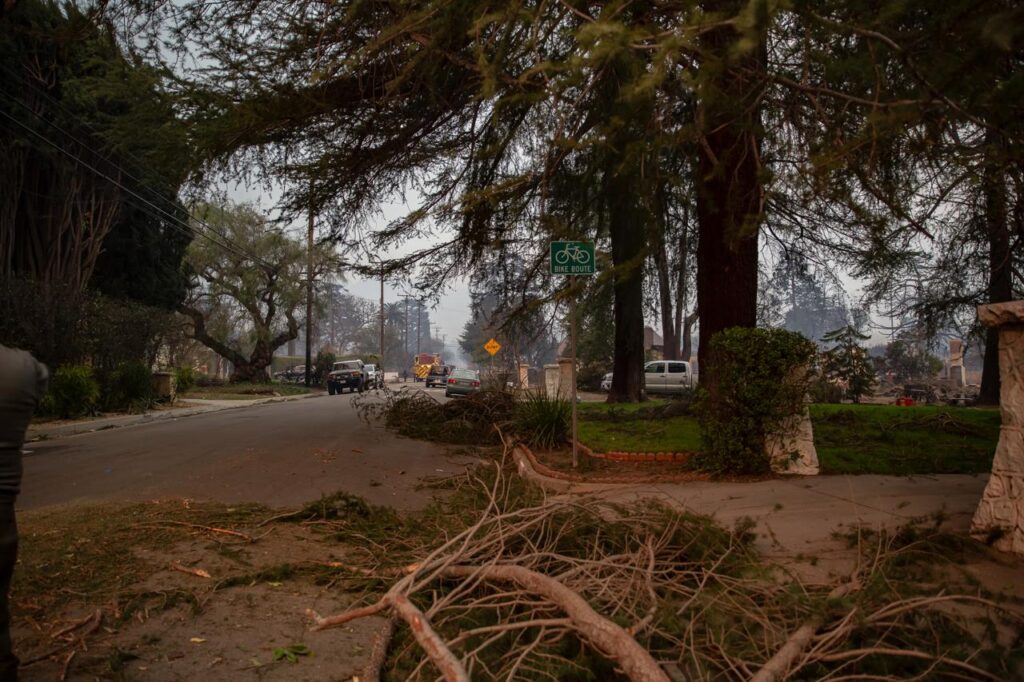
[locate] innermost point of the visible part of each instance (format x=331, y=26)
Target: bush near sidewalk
x=759, y=383
x=73, y=392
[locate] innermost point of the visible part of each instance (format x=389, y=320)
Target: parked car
x=438, y=376
x=606, y=382
x=667, y=376
x=296, y=374
x=462, y=382
x=350, y=374
x=374, y=376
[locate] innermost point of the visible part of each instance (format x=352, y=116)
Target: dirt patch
x=141, y=568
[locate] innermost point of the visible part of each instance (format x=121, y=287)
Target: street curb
x=39, y=433
x=531, y=468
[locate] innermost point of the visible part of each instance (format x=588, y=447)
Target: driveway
x=282, y=454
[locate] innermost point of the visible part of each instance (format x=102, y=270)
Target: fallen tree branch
x=607, y=636
x=424, y=633
x=777, y=667
x=94, y=623
x=198, y=572
x=379, y=652
x=910, y=653
x=194, y=526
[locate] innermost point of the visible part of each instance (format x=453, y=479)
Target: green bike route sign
x=572, y=258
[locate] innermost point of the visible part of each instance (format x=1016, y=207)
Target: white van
x=667, y=376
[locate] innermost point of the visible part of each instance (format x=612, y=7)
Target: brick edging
x=617, y=456
x=545, y=471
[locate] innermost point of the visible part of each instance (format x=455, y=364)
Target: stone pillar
x=1000, y=515
x=524, y=375
x=551, y=377
x=791, y=450
x=565, y=377
x=165, y=386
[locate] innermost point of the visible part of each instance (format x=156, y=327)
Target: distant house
x=653, y=344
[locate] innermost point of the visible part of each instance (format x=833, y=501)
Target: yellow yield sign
x=492, y=347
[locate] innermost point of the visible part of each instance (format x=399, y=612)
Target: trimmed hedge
x=755, y=385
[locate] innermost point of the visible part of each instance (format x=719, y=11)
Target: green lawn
x=635, y=427
x=243, y=391
x=885, y=439
x=856, y=439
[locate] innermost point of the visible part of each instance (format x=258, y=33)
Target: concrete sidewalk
x=62, y=429
x=797, y=517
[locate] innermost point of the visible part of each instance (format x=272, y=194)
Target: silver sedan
x=462, y=382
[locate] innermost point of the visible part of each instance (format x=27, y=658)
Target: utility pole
x=419, y=319
x=406, y=359
x=380, y=363
x=309, y=292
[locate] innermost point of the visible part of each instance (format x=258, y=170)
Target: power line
x=225, y=243
x=174, y=220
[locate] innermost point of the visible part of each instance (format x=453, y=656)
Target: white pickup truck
x=667, y=376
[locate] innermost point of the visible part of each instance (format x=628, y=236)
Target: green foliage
x=848, y=362
x=757, y=383
x=541, y=421
x=322, y=367
x=822, y=390
x=291, y=653
x=129, y=387
x=905, y=360
x=65, y=79
x=73, y=392
x=184, y=379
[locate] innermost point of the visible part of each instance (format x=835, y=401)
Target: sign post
x=492, y=347
x=573, y=258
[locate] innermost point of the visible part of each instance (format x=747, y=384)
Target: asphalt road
x=280, y=454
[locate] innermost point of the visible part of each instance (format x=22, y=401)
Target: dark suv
x=348, y=374
x=438, y=376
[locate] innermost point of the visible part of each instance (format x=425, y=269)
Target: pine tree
x=847, y=362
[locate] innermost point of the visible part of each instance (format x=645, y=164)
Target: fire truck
x=422, y=364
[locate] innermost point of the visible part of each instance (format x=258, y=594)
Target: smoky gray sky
x=452, y=310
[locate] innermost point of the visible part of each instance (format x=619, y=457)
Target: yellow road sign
x=492, y=346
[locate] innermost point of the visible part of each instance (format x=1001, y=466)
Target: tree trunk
x=688, y=336
x=729, y=189
x=627, y=258
x=1000, y=261
x=253, y=370
x=629, y=218
x=660, y=255
x=682, y=279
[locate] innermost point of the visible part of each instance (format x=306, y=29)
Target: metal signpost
x=492, y=347
x=573, y=258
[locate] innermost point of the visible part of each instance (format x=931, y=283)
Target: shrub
x=203, y=379
x=184, y=379
x=322, y=367
x=541, y=421
x=73, y=392
x=130, y=387
x=822, y=390
x=756, y=384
